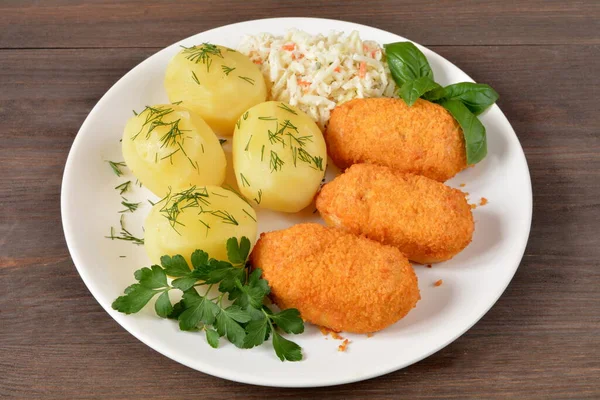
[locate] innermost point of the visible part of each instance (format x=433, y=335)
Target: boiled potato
x=216, y=82
x=197, y=218
x=279, y=156
x=168, y=146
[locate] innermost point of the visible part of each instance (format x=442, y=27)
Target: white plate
x=473, y=280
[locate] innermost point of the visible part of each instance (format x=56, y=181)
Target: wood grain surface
x=541, y=340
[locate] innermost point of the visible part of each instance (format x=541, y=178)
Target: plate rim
x=69, y=232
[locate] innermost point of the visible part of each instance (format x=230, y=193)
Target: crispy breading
x=335, y=279
x=423, y=139
x=426, y=220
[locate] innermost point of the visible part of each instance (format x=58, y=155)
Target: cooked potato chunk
x=216, y=82
x=198, y=218
x=279, y=156
x=168, y=146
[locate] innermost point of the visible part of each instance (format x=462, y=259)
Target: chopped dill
x=225, y=216
x=248, y=144
x=227, y=70
x=129, y=207
x=262, y=152
x=276, y=163
x=248, y=214
x=195, y=78
x=245, y=116
x=123, y=187
x=135, y=113
x=177, y=102
x=202, y=54
x=124, y=234
x=176, y=203
x=287, y=108
x=267, y=118
x=259, y=197
x=249, y=80
x=244, y=180
x=238, y=194
x=116, y=167
x=221, y=141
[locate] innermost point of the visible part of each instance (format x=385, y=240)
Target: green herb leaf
x=154, y=278
x=178, y=308
x=256, y=332
x=289, y=321
x=197, y=309
x=185, y=282
x=252, y=294
x=135, y=298
x=230, y=328
x=286, y=349
x=477, y=97
x=473, y=130
x=163, y=305
x=412, y=90
x=199, y=258
x=175, y=266
x=238, y=253
x=406, y=62
x=212, y=337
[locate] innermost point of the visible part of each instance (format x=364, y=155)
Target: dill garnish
x=176, y=203
x=177, y=102
x=116, y=167
x=287, y=108
x=202, y=54
x=249, y=80
x=123, y=187
x=248, y=214
x=248, y=144
x=262, y=152
x=129, y=207
x=238, y=194
x=268, y=118
x=221, y=141
x=244, y=180
x=245, y=116
x=134, y=113
x=124, y=234
x=259, y=197
x=195, y=78
x=225, y=216
x=276, y=163
x=227, y=70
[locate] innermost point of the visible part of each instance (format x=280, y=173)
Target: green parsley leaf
x=256, y=332
x=178, y=308
x=136, y=297
x=238, y=253
x=197, y=309
x=289, y=321
x=228, y=325
x=252, y=294
x=163, y=305
x=212, y=337
x=286, y=349
x=175, y=266
x=199, y=258
x=154, y=278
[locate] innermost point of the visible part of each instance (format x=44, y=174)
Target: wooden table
x=541, y=340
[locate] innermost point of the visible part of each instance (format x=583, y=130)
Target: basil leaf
x=473, y=130
x=477, y=97
x=406, y=62
x=412, y=90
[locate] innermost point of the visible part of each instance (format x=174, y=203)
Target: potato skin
x=273, y=131
x=423, y=139
x=219, y=87
x=335, y=279
x=199, y=161
x=426, y=220
x=201, y=225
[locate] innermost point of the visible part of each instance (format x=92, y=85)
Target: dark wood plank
x=539, y=341
x=143, y=23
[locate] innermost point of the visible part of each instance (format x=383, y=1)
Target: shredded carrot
x=344, y=345
x=337, y=69
x=303, y=83
x=362, y=71
x=462, y=185
x=483, y=201
x=257, y=62
x=438, y=283
x=289, y=47
x=297, y=57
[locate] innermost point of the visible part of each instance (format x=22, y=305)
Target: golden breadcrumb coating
x=426, y=220
x=423, y=139
x=335, y=279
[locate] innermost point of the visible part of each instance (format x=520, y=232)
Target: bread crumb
x=438, y=283
x=370, y=335
x=462, y=185
x=483, y=201
x=428, y=265
x=326, y=331
x=473, y=206
x=344, y=345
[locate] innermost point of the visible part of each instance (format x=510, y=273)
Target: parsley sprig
x=244, y=321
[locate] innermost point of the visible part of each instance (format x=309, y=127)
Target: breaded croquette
x=426, y=220
x=335, y=279
x=423, y=139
